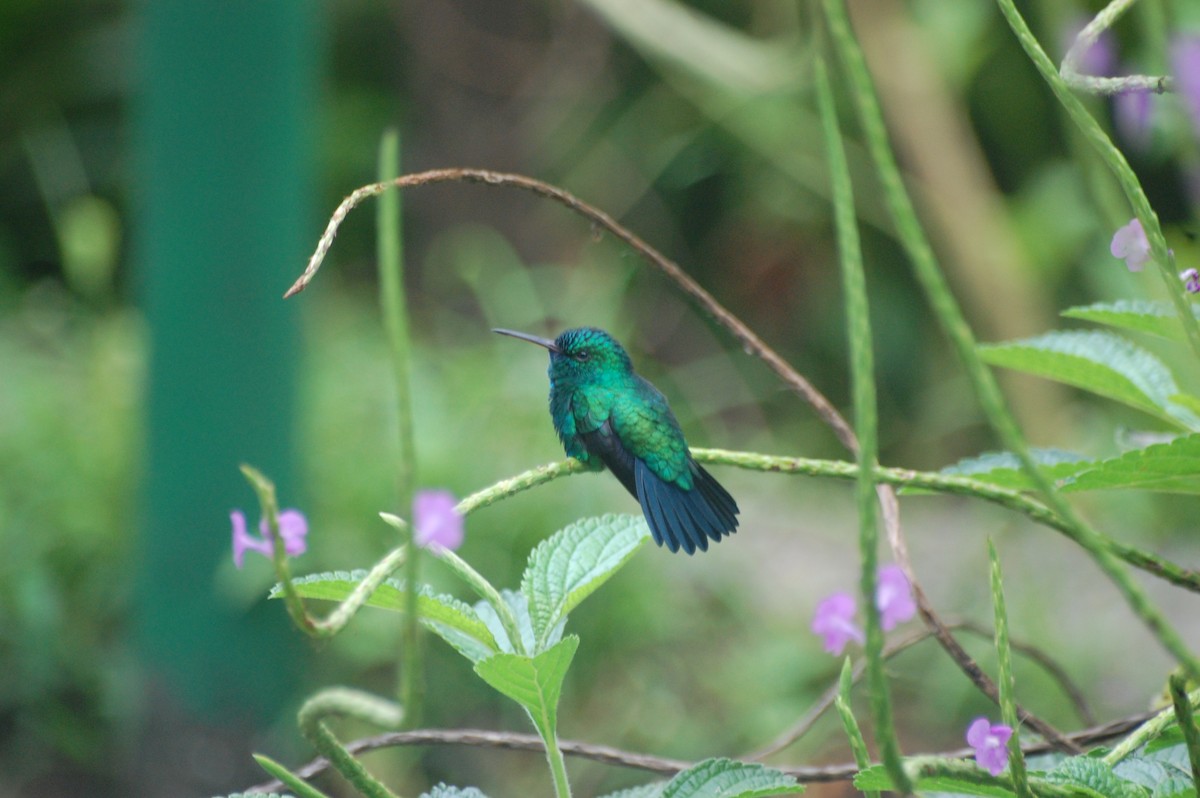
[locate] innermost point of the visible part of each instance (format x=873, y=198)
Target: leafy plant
x=516, y=640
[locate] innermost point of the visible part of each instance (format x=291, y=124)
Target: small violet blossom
x=834, y=621
x=292, y=529
x=1133, y=113
x=834, y=618
x=1191, y=280
x=1130, y=243
x=989, y=743
x=1185, y=66
x=436, y=525
x=893, y=597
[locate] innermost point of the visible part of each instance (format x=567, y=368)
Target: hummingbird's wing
x=641, y=443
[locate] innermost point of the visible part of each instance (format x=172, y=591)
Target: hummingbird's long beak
x=533, y=339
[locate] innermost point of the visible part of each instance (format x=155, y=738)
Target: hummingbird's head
x=581, y=354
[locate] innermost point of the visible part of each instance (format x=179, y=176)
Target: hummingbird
x=607, y=415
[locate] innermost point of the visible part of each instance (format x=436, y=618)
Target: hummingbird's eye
x=582, y=355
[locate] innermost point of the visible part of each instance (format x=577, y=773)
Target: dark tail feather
x=647, y=495
x=686, y=519
x=718, y=499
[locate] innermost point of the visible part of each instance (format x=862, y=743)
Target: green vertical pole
x=222, y=142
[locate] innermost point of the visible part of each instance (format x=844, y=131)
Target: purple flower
x=989, y=743
x=435, y=523
x=893, y=597
x=1130, y=243
x=834, y=621
x=1191, y=280
x=1185, y=65
x=292, y=528
x=1132, y=115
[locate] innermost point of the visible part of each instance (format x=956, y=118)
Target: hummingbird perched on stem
x=606, y=415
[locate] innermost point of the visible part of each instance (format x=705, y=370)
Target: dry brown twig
x=515, y=741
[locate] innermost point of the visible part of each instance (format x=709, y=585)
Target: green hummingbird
x=607, y=415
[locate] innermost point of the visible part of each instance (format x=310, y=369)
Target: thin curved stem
x=514, y=741
x=840, y=469
x=1069, y=71
x=750, y=342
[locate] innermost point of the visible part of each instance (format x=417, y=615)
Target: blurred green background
x=165, y=170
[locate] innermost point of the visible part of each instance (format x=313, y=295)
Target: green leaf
x=1094, y=776
x=1164, y=769
x=1003, y=469
x=446, y=791
x=652, y=790
x=519, y=607
x=303, y=789
x=1188, y=401
x=1099, y=362
x=533, y=682
x=438, y=612
x=568, y=566
x=470, y=647
x=1162, y=780
x=1172, y=467
x=876, y=779
x=725, y=778
x=1156, y=318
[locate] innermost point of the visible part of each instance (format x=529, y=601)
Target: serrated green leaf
x=1155, y=318
x=437, y=612
x=1003, y=469
x=1095, y=776
x=652, y=790
x=533, y=682
x=1162, y=766
x=446, y=791
x=726, y=778
x=470, y=647
x=568, y=566
x=519, y=606
x=1172, y=467
x=876, y=779
x=1099, y=362
x=1175, y=786
x=1164, y=779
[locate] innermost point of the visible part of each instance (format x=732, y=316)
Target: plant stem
x=862, y=369
x=264, y=488
x=942, y=301
x=558, y=766
x=355, y=704
x=395, y=323
x=839, y=469
x=1148, y=731
x=1187, y=724
x=1006, y=681
x=858, y=746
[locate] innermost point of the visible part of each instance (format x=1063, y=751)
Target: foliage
x=719, y=150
